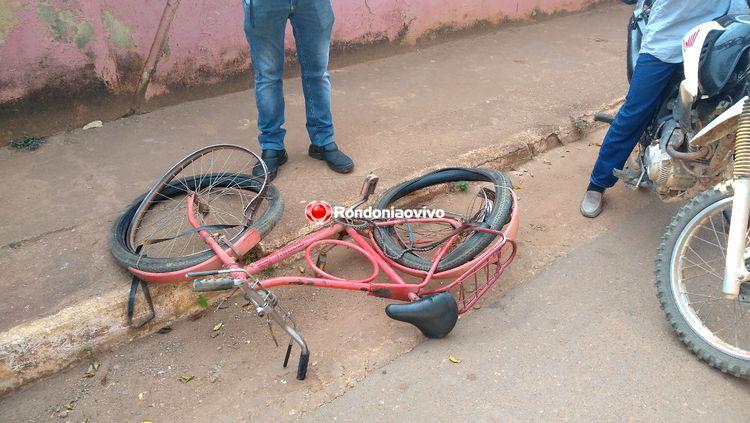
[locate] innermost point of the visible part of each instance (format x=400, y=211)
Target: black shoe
x=273, y=159
x=336, y=160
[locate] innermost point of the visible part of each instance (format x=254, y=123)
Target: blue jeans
x=650, y=78
x=265, y=23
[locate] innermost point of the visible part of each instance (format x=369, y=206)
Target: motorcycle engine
x=659, y=166
x=668, y=175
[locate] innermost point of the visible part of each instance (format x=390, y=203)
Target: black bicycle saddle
x=435, y=315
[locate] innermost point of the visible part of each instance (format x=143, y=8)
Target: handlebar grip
x=205, y=285
x=304, y=358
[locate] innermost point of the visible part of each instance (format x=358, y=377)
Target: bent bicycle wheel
x=154, y=234
x=479, y=197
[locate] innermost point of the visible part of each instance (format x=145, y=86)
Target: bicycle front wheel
x=154, y=233
x=689, y=274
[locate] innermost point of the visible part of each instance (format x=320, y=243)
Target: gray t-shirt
x=670, y=20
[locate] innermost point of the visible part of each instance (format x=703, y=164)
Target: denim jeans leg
x=650, y=78
x=312, y=22
x=265, y=22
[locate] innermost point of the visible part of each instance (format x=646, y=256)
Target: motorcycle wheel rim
x=682, y=295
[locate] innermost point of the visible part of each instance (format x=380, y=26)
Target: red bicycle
x=203, y=216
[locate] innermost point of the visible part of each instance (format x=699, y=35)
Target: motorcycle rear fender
x=725, y=124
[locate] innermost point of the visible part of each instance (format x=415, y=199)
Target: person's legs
x=265, y=22
x=312, y=22
x=650, y=78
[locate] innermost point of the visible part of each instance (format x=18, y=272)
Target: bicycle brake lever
x=288, y=353
x=270, y=329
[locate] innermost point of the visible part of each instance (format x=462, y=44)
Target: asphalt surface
x=584, y=341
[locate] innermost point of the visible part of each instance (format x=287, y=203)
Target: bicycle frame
x=227, y=258
x=226, y=261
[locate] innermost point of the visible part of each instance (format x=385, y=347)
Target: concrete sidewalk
x=578, y=343
x=482, y=99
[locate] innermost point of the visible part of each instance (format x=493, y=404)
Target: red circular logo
x=318, y=211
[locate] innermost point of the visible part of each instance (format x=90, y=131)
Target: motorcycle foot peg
x=304, y=358
x=604, y=117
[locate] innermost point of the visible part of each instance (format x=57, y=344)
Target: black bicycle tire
x=127, y=257
x=470, y=248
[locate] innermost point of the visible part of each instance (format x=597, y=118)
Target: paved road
x=585, y=340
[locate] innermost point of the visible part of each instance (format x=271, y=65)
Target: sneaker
x=337, y=161
x=273, y=159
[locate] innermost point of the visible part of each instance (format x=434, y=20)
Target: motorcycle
x=697, y=148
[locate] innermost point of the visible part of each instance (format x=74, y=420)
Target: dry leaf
x=453, y=359
x=93, y=124
x=547, y=161
x=301, y=270
x=93, y=367
x=218, y=326
x=186, y=378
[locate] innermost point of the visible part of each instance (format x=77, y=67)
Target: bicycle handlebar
x=265, y=306
x=304, y=358
x=206, y=285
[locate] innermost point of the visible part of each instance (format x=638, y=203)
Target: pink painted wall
x=67, y=43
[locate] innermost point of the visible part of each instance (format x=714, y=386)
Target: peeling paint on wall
x=8, y=17
x=68, y=45
x=117, y=32
x=65, y=25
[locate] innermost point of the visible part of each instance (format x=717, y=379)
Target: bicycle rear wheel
x=478, y=197
x=154, y=234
